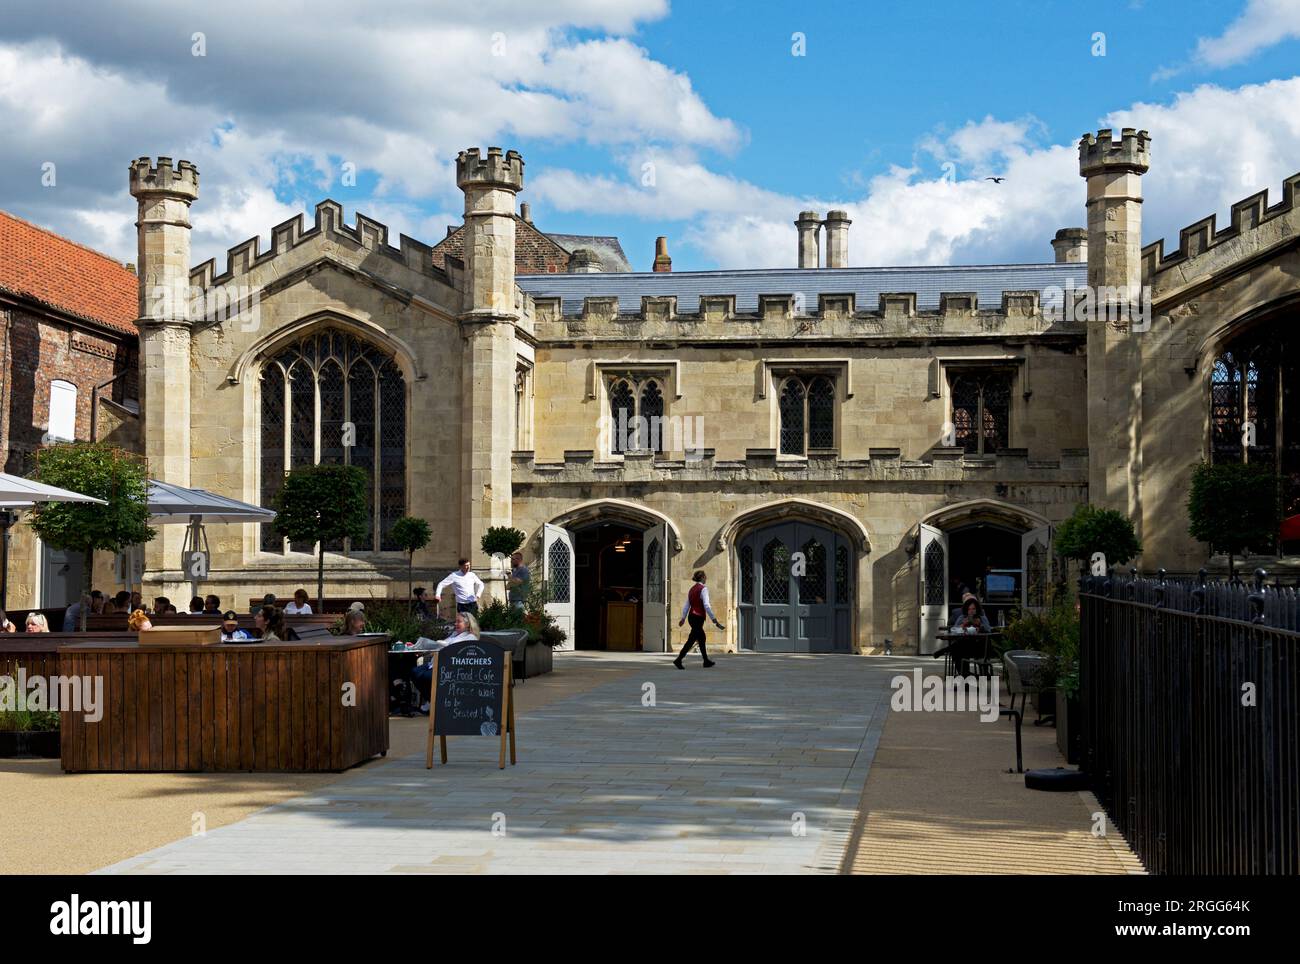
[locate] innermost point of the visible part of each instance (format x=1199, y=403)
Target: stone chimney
x=663, y=263
x=525, y=213
x=837, y=239
x=584, y=261
x=808, y=223
x=1071, y=246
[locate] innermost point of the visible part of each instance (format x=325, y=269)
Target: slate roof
x=49, y=269
x=987, y=281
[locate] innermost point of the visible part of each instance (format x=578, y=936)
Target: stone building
x=68, y=347
x=836, y=447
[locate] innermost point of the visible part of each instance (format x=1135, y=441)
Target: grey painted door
x=795, y=590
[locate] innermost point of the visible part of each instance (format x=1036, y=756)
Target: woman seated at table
x=465, y=627
x=354, y=623
x=138, y=621
x=269, y=621
x=36, y=623
x=971, y=619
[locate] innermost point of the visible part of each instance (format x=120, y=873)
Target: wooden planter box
x=37, y=743
x=249, y=706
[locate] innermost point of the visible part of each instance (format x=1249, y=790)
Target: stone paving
x=716, y=777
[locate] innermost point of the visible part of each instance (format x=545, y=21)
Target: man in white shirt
x=468, y=587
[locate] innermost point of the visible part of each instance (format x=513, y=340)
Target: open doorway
x=609, y=587
x=984, y=558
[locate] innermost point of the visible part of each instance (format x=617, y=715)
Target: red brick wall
x=535, y=253
x=41, y=349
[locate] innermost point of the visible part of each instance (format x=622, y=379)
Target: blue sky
x=739, y=131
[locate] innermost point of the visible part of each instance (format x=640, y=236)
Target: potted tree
x=1090, y=530
x=105, y=472
x=1236, y=507
x=410, y=535
x=319, y=503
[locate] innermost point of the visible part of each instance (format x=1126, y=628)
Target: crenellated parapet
x=1009, y=467
x=1102, y=153
x=495, y=169
x=367, y=235
x=1251, y=216
x=790, y=315
x=180, y=180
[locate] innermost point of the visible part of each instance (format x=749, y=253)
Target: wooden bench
x=100, y=624
x=38, y=653
x=251, y=706
x=338, y=605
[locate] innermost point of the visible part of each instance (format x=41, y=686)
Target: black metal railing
x=1191, y=720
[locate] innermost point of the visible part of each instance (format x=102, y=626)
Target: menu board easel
x=472, y=694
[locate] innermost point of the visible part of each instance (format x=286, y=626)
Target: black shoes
x=678, y=664
x=708, y=663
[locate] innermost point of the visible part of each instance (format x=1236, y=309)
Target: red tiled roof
x=45, y=267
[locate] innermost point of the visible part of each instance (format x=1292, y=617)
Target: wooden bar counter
x=232, y=706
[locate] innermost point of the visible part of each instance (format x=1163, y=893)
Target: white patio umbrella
x=19, y=493
x=171, y=504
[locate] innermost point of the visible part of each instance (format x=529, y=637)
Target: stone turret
x=1113, y=170
x=163, y=194
x=808, y=223
x=837, y=239
x=487, y=320
x=1071, y=246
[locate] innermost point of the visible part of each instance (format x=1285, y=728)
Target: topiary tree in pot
x=1236, y=507
x=410, y=535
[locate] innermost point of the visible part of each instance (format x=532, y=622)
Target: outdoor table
x=961, y=648
x=310, y=705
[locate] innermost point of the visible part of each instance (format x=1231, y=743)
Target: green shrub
x=1236, y=508
x=497, y=615
x=28, y=721
x=1054, y=632
x=397, y=619
x=1091, y=530
x=502, y=539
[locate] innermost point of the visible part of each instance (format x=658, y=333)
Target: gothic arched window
x=981, y=411
x=806, y=406
x=330, y=398
x=636, y=413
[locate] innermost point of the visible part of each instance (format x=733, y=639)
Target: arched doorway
x=795, y=591
x=1000, y=552
x=606, y=565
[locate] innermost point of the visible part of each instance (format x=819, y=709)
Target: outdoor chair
x=1023, y=668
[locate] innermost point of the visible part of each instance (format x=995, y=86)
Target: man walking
x=468, y=587
x=695, y=609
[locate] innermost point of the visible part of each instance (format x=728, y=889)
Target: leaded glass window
x=1036, y=575
x=842, y=574
x=559, y=562
x=331, y=398
x=981, y=411
x=1244, y=404
x=776, y=573
x=807, y=411
x=746, y=574
x=636, y=409
x=936, y=583
x=654, y=572
x=812, y=584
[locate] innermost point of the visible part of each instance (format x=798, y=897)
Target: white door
x=557, y=570
x=654, y=572
x=61, y=577
x=1036, y=565
x=933, y=565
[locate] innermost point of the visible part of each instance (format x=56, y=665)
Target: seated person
x=354, y=623
x=230, y=631
x=270, y=623
x=212, y=606
x=137, y=601
x=465, y=627
x=422, y=610
x=299, y=606
x=72, y=615
x=138, y=620
x=268, y=600
x=971, y=618
x=196, y=606
x=36, y=623
x=162, y=605
x=6, y=625
x=122, y=602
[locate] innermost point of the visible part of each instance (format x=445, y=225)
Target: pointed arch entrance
x=606, y=564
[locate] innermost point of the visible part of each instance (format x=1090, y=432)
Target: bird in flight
x=995, y=180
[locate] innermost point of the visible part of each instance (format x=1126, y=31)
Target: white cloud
x=1263, y=24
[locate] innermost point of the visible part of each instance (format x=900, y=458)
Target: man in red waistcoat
x=695, y=609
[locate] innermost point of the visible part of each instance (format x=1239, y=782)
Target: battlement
x=831, y=315
x=1248, y=215
x=496, y=170
x=1101, y=153
x=162, y=178
x=367, y=234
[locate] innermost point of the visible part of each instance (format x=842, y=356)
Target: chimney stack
x=1071, y=246
x=808, y=223
x=584, y=261
x=525, y=213
x=663, y=263
x=837, y=239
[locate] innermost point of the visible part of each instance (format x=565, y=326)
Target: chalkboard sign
x=471, y=695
